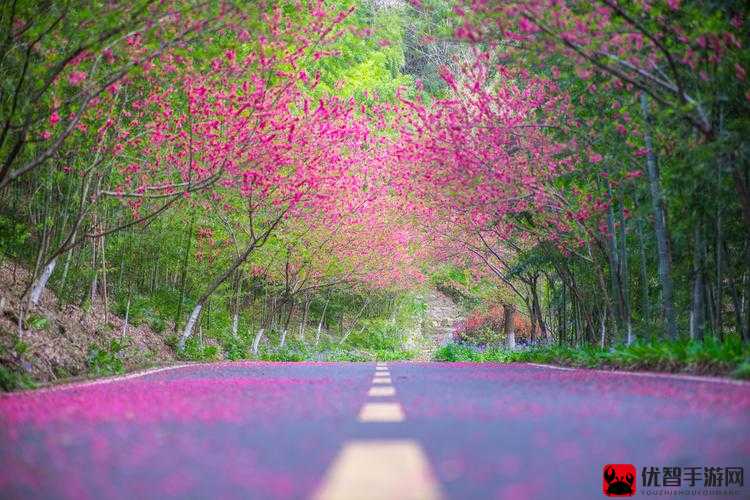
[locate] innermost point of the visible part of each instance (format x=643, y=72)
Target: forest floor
x=65, y=341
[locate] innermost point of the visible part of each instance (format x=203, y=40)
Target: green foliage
x=236, y=348
x=728, y=357
x=37, y=322
x=15, y=237
x=195, y=350
x=377, y=334
x=145, y=309
x=11, y=380
x=457, y=352
x=108, y=360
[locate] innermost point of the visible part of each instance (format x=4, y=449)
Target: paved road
x=336, y=430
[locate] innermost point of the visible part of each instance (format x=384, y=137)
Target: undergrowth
x=712, y=356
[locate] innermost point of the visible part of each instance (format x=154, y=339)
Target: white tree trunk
x=189, y=326
x=235, y=323
x=283, y=339
x=509, y=314
x=41, y=283
x=603, y=328
x=630, y=332
x=256, y=341
x=127, y=318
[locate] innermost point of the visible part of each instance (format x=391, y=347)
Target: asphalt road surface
x=351, y=431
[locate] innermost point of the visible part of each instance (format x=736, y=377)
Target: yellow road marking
x=382, y=469
x=382, y=391
x=381, y=412
x=381, y=380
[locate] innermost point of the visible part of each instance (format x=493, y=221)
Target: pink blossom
x=76, y=78
x=740, y=72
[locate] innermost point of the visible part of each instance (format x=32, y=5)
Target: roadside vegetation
x=710, y=357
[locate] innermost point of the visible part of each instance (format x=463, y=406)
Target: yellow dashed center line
x=381, y=391
x=381, y=412
x=380, y=469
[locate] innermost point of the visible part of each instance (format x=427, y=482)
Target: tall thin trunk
x=537, y=308
x=256, y=341
x=645, y=302
x=719, y=294
x=625, y=276
x=103, y=259
x=322, y=318
x=532, y=315
x=660, y=225
x=127, y=318
x=282, y=342
x=41, y=283
x=614, y=259
x=697, y=319
x=236, y=306
x=183, y=276
x=94, y=278
x=303, y=323
x=509, y=313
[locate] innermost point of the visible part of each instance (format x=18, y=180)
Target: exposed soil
x=443, y=316
x=58, y=338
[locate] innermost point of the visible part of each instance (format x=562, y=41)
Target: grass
x=712, y=357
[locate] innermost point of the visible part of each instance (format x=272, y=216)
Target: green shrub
x=711, y=356
x=106, y=361
x=377, y=334
x=236, y=348
x=11, y=380
x=195, y=351
x=457, y=352
x=37, y=322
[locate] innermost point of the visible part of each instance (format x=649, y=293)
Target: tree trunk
x=94, y=279
x=127, y=318
x=282, y=342
x=509, y=312
x=41, y=283
x=303, y=323
x=256, y=341
x=697, y=319
x=105, y=294
x=236, y=263
x=322, y=318
x=660, y=225
x=236, y=306
x=645, y=304
x=625, y=277
x=183, y=277
x=614, y=261
x=537, y=307
x=532, y=315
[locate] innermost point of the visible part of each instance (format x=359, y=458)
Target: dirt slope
x=59, y=338
x=442, y=318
